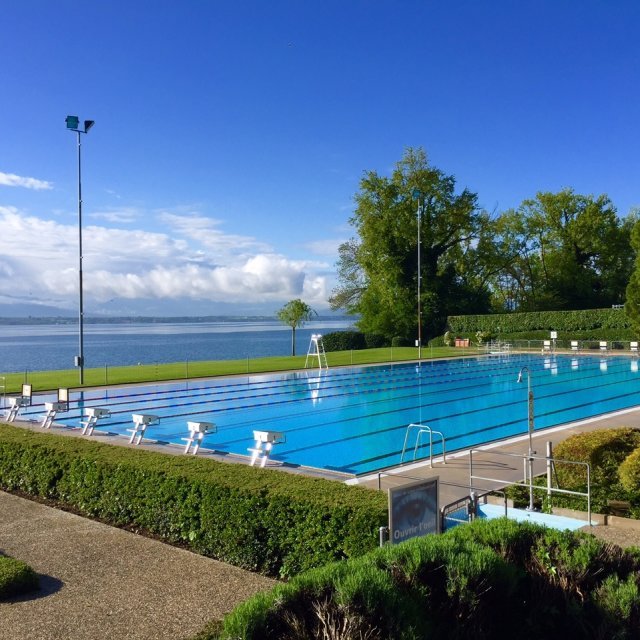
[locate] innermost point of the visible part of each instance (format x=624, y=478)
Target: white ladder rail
x=421, y=429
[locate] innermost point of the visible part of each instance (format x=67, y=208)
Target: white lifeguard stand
x=140, y=423
x=197, y=431
x=18, y=402
x=264, y=443
x=93, y=414
x=316, y=350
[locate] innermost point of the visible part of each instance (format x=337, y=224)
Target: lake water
x=48, y=347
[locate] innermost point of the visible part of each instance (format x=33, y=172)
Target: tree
x=632, y=304
x=295, y=313
x=564, y=251
x=378, y=270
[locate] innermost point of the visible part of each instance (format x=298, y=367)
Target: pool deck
x=490, y=462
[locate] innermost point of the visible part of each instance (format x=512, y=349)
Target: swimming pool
x=354, y=420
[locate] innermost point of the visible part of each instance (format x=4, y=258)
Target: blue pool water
x=354, y=420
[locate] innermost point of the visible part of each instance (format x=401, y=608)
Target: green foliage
x=491, y=579
x=604, y=450
x=565, y=321
x=629, y=472
x=264, y=520
x=632, y=304
x=343, y=341
x=16, y=578
x=378, y=270
x=562, y=251
x=294, y=314
x=400, y=341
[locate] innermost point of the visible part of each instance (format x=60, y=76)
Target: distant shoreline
x=69, y=320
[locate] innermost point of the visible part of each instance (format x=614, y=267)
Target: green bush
x=565, y=321
x=16, y=578
x=604, y=450
x=401, y=341
x=264, y=520
x=629, y=472
x=491, y=579
x=375, y=341
x=344, y=341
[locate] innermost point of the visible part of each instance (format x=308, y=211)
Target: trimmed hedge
x=259, y=519
x=489, y=579
x=16, y=578
x=353, y=341
x=567, y=321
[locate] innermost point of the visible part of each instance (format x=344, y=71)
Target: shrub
x=264, y=520
x=16, y=578
x=343, y=341
x=604, y=450
x=629, y=472
x=401, y=341
x=375, y=341
x=491, y=579
x=569, y=321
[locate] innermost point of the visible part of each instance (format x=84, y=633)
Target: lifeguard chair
x=316, y=350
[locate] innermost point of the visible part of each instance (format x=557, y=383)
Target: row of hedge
x=567, y=321
x=16, y=578
x=276, y=523
x=488, y=579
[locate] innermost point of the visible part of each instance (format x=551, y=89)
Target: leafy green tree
x=563, y=251
x=632, y=304
x=378, y=270
x=295, y=313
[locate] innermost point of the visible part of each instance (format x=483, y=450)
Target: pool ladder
x=422, y=429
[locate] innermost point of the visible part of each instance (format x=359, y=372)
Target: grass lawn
x=68, y=378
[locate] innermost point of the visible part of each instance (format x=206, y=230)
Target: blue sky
x=230, y=137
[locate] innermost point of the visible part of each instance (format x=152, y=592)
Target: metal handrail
x=423, y=428
x=525, y=457
x=472, y=498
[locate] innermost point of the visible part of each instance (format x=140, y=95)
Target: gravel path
x=103, y=582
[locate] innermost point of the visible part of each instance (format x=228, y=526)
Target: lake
x=46, y=347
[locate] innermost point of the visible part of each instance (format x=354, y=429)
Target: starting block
x=197, y=431
x=52, y=408
x=140, y=423
x=264, y=443
x=93, y=415
x=18, y=402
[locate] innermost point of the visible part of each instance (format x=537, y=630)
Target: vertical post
x=80, y=284
x=419, y=279
x=549, y=467
x=530, y=429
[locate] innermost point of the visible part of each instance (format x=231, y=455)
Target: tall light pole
x=531, y=506
x=416, y=196
x=73, y=124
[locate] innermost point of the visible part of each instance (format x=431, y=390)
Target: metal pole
x=530, y=428
x=419, y=278
x=81, y=305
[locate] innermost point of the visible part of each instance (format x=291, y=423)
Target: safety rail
x=470, y=505
x=525, y=458
x=423, y=428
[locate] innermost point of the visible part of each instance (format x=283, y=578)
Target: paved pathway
x=103, y=582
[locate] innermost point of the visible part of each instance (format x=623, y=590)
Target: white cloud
x=12, y=180
x=198, y=262
x=122, y=215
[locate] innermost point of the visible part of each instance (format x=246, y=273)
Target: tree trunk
x=293, y=341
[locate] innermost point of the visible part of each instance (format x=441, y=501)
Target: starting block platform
x=264, y=443
x=197, y=431
x=140, y=423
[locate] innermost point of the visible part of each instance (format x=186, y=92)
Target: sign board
x=413, y=510
x=554, y=335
